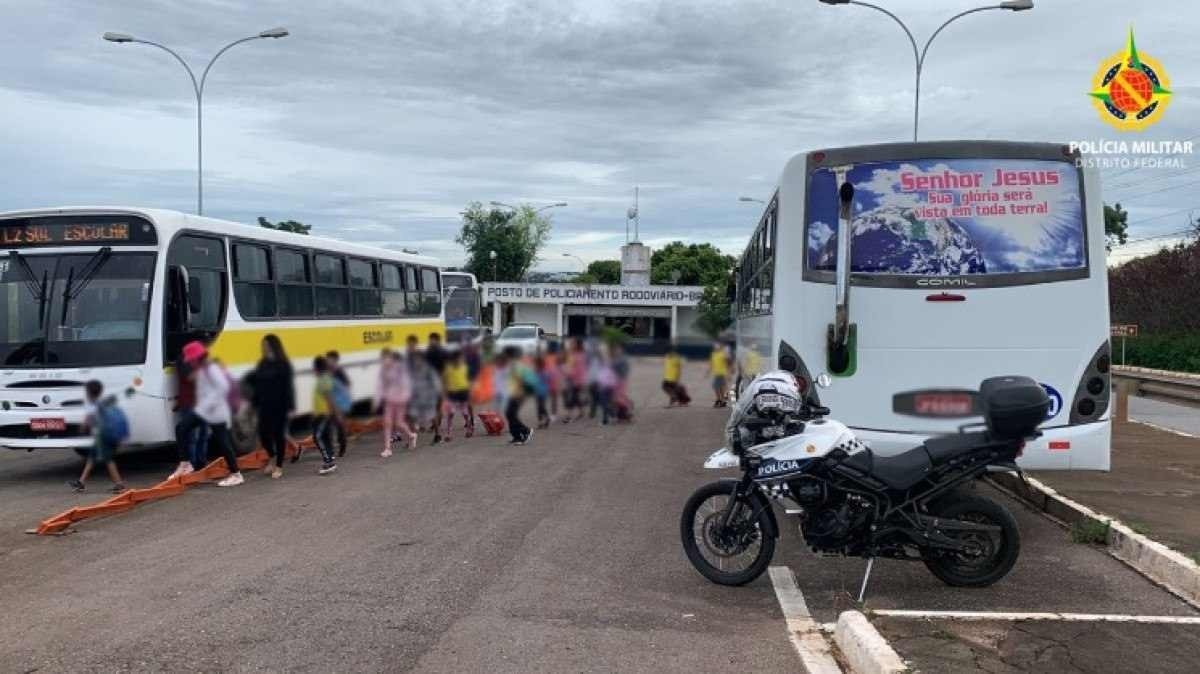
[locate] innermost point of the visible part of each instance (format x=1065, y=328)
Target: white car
x=526, y=337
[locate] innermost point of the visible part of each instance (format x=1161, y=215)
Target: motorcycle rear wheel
x=996, y=554
x=727, y=556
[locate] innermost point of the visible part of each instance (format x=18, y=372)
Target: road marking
x=1071, y=617
x=803, y=631
x=1163, y=428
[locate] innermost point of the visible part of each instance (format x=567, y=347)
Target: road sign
x=1129, y=330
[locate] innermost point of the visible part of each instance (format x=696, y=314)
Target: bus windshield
x=462, y=307
x=74, y=310
x=953, y=217
x=456, y=281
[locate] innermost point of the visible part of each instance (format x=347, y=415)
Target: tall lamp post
x=919, y=55
x=501, y=204
x=581, y=262
x=198, y=89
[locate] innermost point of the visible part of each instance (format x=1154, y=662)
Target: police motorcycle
x=852, y=502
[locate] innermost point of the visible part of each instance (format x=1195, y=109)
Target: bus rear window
x=952, y=217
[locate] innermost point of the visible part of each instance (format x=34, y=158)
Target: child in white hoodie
x=212, y=405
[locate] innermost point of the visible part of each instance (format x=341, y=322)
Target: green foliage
x=515, y=236
x=698, y=264
x=1178, y=352
x=285, y=225
x=1116, y=222
x=587, y=278
x=1090, y=531
x=714, y=313
x=605, y=271
x=1161, y=294
x=611, y=334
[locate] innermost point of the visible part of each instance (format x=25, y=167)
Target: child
x=672, y=373
x=395, y=390
x=340, y=379
x=110, y=428
x=212, y=406
x=326, y=415
x=458, y=392
x=547, y=391
x=426, y=389
x=576, y=367
x=520, y=382
x=718, y=369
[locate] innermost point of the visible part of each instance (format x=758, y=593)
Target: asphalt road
x=562, y=555
x=1178, y=417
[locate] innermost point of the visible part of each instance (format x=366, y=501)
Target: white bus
x=114, y=293
x=464, y=306
x=967, y=260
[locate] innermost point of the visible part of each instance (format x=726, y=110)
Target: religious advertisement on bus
x=952, y=217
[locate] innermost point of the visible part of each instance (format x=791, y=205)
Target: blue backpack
x=341, y=396
x=114, y=425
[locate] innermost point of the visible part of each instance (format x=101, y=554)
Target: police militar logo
x=1131, y=89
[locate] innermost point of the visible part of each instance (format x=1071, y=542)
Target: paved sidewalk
x=1002, y=646
x=1154, y=485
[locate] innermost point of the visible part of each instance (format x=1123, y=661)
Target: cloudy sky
x=379, y=121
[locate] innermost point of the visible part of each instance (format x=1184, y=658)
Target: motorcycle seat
x=899, y=472
x=946, y=447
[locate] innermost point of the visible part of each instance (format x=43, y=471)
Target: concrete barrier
x=864, y=648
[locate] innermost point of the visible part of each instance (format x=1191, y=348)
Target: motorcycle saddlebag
x=1013, y=406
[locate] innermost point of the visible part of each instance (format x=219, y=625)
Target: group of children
x=417, y=390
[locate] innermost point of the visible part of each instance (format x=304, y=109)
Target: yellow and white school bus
x=113, y=294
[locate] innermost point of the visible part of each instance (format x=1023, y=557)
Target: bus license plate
x=47, y=424
x=943, y=404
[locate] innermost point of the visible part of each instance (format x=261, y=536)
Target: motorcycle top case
x=1013, y=406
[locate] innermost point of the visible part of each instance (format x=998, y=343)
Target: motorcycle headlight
x=765, y=402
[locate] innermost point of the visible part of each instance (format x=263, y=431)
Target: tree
x=604, y=271
x=285, y=225
x=1116, y=221
x=697, y=264
x=515, y=236
x=714, y=313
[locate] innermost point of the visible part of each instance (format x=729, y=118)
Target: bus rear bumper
x=1080, y=447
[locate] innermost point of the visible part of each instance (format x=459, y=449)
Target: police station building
x=651, y=315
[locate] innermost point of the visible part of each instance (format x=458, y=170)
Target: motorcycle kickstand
x=862, y=591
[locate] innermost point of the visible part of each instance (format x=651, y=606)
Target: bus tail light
x=1094, y=388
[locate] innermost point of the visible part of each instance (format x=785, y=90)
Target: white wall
x=685, y=328
x=545, y=315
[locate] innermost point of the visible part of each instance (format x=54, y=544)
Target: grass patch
x=1090, y=531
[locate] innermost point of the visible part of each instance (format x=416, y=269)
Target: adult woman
x=274, y=397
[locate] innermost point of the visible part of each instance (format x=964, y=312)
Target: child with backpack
x=327, y=414
x=341, y=381
x=110, y=428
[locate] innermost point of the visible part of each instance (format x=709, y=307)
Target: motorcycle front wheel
x=727, y=555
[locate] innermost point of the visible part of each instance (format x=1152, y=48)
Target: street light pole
x=198, y=89
x=919, y=54
x=581, y=262
x=536, y=210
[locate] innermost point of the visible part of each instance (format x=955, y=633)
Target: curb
x=865, y=649
x=1169, y=568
